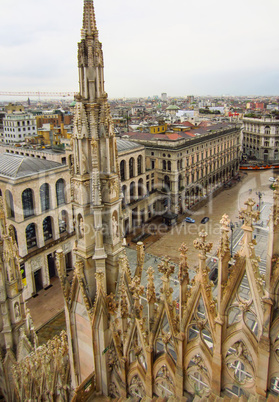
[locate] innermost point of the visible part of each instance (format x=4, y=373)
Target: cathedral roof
x=19, y=166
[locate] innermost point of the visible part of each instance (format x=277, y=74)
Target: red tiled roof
x=187, y=124
x=174, y=136
x=204, y=124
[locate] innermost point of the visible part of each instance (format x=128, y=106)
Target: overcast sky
x=182, y=47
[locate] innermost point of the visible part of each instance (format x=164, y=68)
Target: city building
x=52, y=135
x=17, y=126
x=139, y=196
x=260, y=139
x=12, y=107
x=37, y=201
x=55, y=117
x=188, y=166
x=22, y=361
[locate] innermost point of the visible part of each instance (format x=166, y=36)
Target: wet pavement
x=47, y=308
x=229, y=201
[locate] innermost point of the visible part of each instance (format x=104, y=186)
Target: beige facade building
x=17, y=126
x=27, y=371
x=37, y=200
x=260, y=139
x=187, y=167
x=140, y=199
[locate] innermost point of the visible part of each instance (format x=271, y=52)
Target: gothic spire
x=89, y=21
x=90, y=58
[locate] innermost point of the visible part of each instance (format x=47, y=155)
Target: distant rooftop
x=16, y=166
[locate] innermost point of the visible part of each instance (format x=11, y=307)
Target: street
x=230, y=201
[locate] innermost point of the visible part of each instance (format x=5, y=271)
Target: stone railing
x=85, y=390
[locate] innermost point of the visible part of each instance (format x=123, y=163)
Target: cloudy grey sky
x=181, y=47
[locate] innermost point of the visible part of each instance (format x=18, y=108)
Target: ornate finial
x=150, y=290
x=225, y=222
x=183, y=265
x=123, y=303
x=79, y=269
x=201, y=245
x=59, y=262
x=99, y=279
x=248, y=215
x=137, y=290
x=140, y=259
x=224, y=241
x=135, y=287
x=3, y=223
x=111, y=303
x=165, y=268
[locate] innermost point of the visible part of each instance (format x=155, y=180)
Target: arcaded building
x=140, y=199
x=189, y=166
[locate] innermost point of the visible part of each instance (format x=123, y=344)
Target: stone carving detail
x=36, y=263
x=166, y=268
x=248, y=214
x=136, y=387
x=113, y=390
x=112, y=304
x=183, y=265
x=201, y=245
x=47, y=369
x=150, y=291
x=240, y=364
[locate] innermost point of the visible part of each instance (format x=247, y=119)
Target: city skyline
x=149, y=48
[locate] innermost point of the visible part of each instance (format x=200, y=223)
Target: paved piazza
x=228, y=201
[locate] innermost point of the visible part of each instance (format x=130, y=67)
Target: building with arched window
x=39, y=215
x=186, y=168
x=138, y=185
x=260, y=139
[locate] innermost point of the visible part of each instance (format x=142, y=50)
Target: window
x=122, y=169
x=47, y=228
x=44, y=196
x=131, y=167
x=132, y=191
x=139, y=164
x=10, y=204
x=60, y=192
x=152, y=164
x=140, y=188
x=27, y=203
x=30, y=233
